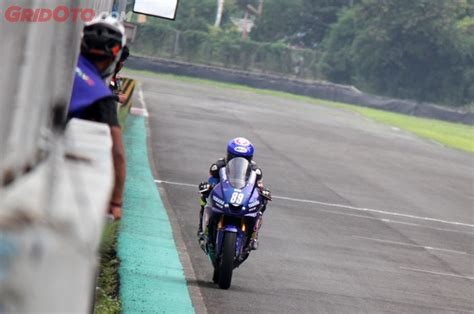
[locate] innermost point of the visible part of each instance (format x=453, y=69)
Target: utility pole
x=258, y=12
x=220, y=10
x=251, y=9
x=245, y=33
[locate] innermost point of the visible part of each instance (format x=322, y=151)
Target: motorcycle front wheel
x=215, y=275
x=226, y=263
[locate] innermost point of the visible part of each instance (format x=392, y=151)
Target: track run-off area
x=366, y=218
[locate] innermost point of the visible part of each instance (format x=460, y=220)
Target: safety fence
x=227, y=51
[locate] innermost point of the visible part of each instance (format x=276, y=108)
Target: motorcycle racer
x=237, y=147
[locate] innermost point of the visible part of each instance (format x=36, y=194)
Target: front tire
x=215, y=276
x=226, y=264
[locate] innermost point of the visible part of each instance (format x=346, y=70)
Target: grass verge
x=107, y=299
x=107, y=293
x=122, y=115
x=454, y=135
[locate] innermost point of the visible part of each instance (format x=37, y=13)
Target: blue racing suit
x=214, y=179
x=91, y=98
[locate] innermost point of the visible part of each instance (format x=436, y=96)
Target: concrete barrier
x=49, y=240
x=37, y=69
x=54, y=186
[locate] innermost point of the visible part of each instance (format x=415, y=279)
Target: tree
x=195, y=15
x=242, y=4
x=316, y=18
x=336, y=62
x=403, y=48
x=299, y=22
x=278, y=21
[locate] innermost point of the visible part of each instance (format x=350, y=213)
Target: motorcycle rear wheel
x=226, y=264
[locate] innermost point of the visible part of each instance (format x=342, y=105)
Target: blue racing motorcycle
x=231, y=219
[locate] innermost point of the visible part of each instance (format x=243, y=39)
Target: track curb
x=152, y=278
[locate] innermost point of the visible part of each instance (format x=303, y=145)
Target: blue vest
x=88, y=88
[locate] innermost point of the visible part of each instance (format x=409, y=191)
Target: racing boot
x=200, y=231
x=204, y=189
x=253, y=245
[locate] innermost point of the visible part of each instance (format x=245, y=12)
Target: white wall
x=36, y=72
x=51, y=214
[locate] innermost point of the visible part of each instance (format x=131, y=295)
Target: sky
x=162, y=8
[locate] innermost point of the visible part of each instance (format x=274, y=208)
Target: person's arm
x=105, y=111
x=118, y=155
x=215, y=167
x=264, y=192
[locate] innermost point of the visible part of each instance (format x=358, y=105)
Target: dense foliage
x=228, y=49
x=411, y=49
x=418, y=49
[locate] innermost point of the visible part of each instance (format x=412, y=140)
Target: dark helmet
x=103, y=37
x=240, y=147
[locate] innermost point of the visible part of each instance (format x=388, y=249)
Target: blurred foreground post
x=220, y=10
x=54, y=184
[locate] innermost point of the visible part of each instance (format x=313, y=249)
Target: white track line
x=141, y=97
x=140, y=111
x=370, y=210
x=412, y=245
x=391, y=221
x=177, y=183
x=374, y=211
x=436, y=273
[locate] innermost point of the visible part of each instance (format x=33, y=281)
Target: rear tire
x=226, y=264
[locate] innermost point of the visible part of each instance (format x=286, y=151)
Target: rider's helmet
x=240, y=147
x=103, y=38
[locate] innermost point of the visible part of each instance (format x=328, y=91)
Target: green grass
x=107, y=294
x=454, y=135
x=122, y=116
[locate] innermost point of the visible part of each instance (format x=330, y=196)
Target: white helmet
x=104, y=36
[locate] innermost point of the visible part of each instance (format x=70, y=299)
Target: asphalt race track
x=365, y=219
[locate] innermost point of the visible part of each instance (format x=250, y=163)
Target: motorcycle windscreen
x=238, y=171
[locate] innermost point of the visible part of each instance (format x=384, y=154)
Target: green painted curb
x=151, y=275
